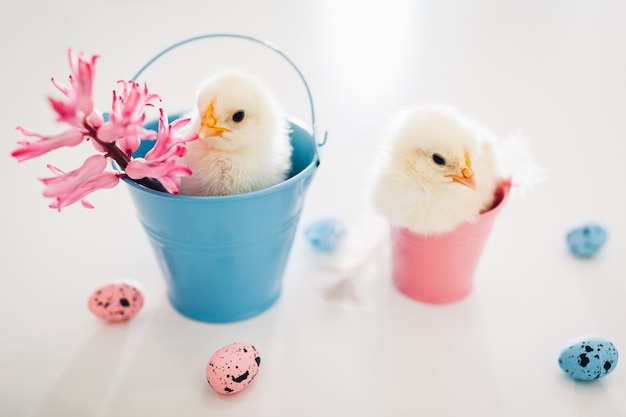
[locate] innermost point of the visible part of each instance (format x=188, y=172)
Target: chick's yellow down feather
x=243, y=138
x=435, y=169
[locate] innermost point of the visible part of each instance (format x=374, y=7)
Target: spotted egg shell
x=585, y=241
x=116, y=302
x=232, y=368
x=588, y=358
x=325, y=234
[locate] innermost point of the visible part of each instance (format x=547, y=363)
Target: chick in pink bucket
x=436, y=170
x=440, y=179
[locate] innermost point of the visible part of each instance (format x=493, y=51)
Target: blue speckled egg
x=325, y=234
x=585, y=241
x=588, y=358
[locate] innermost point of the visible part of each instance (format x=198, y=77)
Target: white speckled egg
x=116, y=302
x=232, y=368
x=588, y=358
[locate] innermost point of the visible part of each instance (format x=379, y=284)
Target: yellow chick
x=243, y=140
x=435, y=169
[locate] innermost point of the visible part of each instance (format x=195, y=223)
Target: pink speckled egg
x=233, y=367
x=116, y=302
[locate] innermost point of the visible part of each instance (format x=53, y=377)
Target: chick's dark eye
x=438, y=159
x=239, y=116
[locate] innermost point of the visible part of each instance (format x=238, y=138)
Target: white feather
x=249, y=155
x=515, y=161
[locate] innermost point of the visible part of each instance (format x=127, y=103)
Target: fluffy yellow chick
x=243, y=138
x=435, y=169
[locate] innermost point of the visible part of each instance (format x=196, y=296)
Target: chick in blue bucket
x=243, y=140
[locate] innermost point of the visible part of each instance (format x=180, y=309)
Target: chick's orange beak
x=466, y=176
x=208, y=124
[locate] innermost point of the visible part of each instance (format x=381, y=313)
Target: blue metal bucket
x=223, y=257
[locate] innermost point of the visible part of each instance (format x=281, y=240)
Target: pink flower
x=44, y=144
x=69, y=187
x=80, y=96
x=116, y=138
x=169, y=143
x=127, y=117
x=77, y=110
x=167, y=172
x=160, y=162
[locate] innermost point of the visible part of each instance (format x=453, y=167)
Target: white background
x=340, y=340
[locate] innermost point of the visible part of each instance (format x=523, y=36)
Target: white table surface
x=338, y=341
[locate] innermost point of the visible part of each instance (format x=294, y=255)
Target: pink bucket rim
x=502, y=193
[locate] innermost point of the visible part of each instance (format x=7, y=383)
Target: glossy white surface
x=336, y=343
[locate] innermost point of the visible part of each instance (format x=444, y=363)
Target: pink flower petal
x=44, y=144
x=127, y=117
x=67, y=181
x=79, y=102
x=94, y=119
x=101, y=181
x=160, y=163
x=169, y=141
x=109, y=132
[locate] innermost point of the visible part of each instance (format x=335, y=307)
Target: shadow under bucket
x=223, y=257
x=439, y=269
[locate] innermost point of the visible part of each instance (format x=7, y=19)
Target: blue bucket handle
x=252, y=39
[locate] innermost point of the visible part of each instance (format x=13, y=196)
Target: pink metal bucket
x=439, y=269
